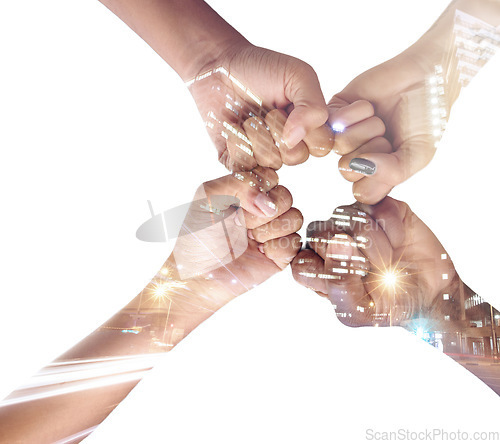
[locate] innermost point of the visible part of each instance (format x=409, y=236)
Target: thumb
x=392, y=169
x=309, y=107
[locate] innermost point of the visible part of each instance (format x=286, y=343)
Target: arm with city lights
x=380, y=265
x=229, y=78
x=238, y=231
x=412, y=94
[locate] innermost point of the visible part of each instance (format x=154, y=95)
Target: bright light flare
x=390, y=278
x=420, y=332
x=161, y=290
x=63, y=378
x=338, y=127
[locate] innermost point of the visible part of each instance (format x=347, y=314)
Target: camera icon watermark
x=204, y=234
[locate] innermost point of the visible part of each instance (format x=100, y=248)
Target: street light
x=390, y=278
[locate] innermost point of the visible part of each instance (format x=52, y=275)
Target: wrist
x=434, y=46
x=211, y=289
x=212, y=54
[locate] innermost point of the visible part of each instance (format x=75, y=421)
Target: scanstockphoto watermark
x=435, y=434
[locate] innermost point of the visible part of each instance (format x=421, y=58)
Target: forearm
x=187, y=34
x=433, y=45
x=484, y=10
x=86, y=383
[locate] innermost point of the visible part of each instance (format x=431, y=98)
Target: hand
x=412, y=94
x=378, y=265
x=238, y=232
x=262, y=108
x=400, y=96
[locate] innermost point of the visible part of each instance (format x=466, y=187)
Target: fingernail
x=362, y=166
x=294, y=136
x=261, y=248
x=266, y=205
x=250, y=235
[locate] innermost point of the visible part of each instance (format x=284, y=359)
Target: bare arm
x=187, y=34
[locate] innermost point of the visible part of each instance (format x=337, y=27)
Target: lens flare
x=390, y=278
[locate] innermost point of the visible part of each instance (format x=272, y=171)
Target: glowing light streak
x=312, y=239
x=237, y=133
x=104, y=381
x=76, y=436
x=245, y=149
x=237, y=82
x=73, y=371
x=230, y=107
x=254, y=97
x=341, y=216
x=328, y=276
x=342, y=223
x=358, y=258
x=73, y=376
x=305, y=261
x=359, y=219
x=338, y=256
x=306, y=274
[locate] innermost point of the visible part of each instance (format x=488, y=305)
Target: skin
x=394, y=239
x=191, y=298
x=193, y=39
x=393, y=133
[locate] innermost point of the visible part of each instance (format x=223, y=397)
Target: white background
x=93, y=123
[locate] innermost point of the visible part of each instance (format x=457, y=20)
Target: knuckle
x=296, y=218
x=381, y=145
x=342, y=144
x=314, y=227
x=319, y=114
x=379, y=125
x=366, y=106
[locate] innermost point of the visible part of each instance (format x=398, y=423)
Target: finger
x=264, y=179
x=346, y=268
x=370, y=191
x=318, y=233
x=307, y=270
x=372, y=242
x=283, y=225
x=410, y=238
x=310, y=111
x=284, y=201
x=352, y=165
x=275, y=120
x=282, y=250
x=239, y=148
x=224, y=110
x=358, y=134
x=265, y=150
x=343, y=114
x=391, y=169
x=244, y=186
x=396, y=217
x=320, y=141
x=368, y=234
x=346, y=259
